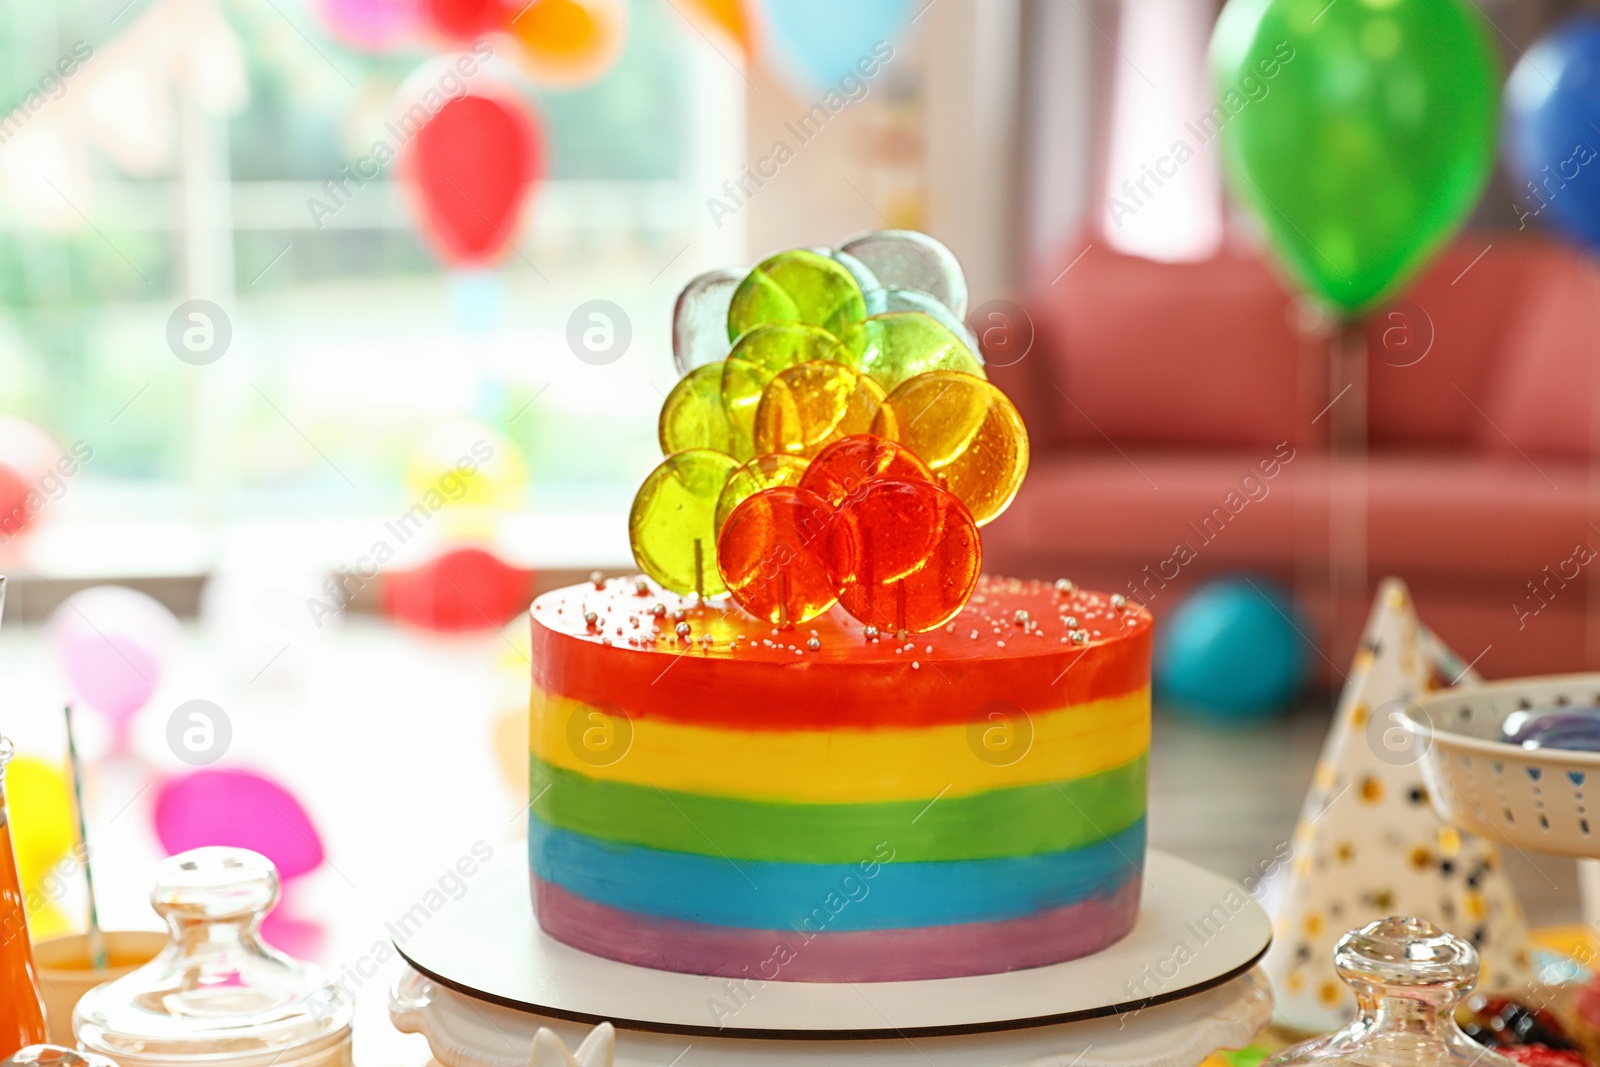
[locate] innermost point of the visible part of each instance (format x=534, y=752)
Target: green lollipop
x=797, y=286
x=672, y=526
x=693, y=416
x=759, y=356
x=903, y=344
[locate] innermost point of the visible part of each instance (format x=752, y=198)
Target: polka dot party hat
x=1369, y=845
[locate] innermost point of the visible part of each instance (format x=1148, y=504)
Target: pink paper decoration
x=239, y=808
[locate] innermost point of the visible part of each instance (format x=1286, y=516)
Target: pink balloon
x=112, y=643
x=372, y=25
x=242, y=809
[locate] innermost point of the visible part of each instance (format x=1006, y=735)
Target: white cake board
x=1196, y=932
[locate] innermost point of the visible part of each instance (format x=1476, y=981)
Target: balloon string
x=1347, y=482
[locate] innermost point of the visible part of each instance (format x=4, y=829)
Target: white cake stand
x=483, y=979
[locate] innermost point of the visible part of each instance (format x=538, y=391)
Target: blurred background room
x=247, y=343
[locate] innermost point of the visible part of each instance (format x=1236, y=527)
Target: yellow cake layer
x=842, y=766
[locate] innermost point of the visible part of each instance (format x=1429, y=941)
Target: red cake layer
x=1013, y=643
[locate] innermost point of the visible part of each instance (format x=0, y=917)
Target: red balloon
x=14, y=513
x=464, y=589
x=469, y=169
x=464, y=21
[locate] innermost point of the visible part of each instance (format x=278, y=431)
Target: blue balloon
x=1552, y=108
x=1233, y=652
x=820, y=45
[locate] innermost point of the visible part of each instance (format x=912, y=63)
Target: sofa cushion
x=1146, y=354
x=1546, y=385
x=1457, y=314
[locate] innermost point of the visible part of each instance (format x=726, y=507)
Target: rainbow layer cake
x=717, y=795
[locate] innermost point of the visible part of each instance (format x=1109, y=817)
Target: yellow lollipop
x=966, y=431
x=810, y=405
x=899, y=345
x=763, y=472
x=759, y=356
x=693, y=416
x=673, y=522
x=797, y=286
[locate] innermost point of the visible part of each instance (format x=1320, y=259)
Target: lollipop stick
x=899, y=607
x=97, y=941
x=783, y=601
x=699, y=570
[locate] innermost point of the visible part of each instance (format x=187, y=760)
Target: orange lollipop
x=811, y=404
x=966, y=430
x=570, y=42
x=772, y=553
x=839, y=471
x=904, y=555
x=760, y=354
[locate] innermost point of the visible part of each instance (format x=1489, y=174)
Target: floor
x=1204, y=809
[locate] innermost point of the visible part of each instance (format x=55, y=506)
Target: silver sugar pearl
x=815, y=644
x=1071, y=621
x=590, y=617
x=641, y=587
x=1080, y=637
x=1065, y=585
x=870, y=633
x=1119, y=601
x=598, y=579
x=1021, y=618
x=683, y=629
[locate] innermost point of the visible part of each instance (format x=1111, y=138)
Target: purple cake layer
x=896, y=955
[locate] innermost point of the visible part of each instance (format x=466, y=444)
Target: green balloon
x=1359, y=133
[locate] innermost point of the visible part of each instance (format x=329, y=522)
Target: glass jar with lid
x=216, y=995
x=1408, y=976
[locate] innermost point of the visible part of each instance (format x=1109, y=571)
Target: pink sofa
x=1173, y=411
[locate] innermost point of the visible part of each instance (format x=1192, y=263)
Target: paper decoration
x=596, y=1050
x=1369, y=845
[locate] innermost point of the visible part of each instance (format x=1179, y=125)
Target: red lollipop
x=468, y=170
x=839, y=471
x=772, y=554
x=905, y=555
x=464, y=21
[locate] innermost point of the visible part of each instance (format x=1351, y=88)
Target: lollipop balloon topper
x=833, y=439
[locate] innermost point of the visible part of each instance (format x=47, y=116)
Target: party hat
x=1369, y=845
